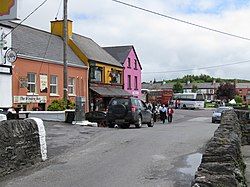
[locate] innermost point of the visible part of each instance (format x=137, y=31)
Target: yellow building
x=105, y=72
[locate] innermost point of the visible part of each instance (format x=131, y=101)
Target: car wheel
x=111, y=125
x=125, y=126
x=213, y=121
x=139, y=123
x=151, y=123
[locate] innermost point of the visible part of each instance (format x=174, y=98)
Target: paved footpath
x=246, y=155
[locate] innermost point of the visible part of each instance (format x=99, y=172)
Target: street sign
x=10, y=56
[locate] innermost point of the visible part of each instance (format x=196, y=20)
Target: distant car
x=216, y=117
x=126, y=111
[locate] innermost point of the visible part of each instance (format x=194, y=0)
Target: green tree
x=226, y=91
x=178, y=88
x=238, y=99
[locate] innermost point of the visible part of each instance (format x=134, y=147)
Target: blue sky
x=209, y=6
x=161, y=44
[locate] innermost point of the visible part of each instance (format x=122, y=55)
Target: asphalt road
x=165, y=155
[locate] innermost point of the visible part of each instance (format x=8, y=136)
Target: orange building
x=38, y=72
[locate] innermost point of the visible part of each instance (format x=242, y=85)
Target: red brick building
x=243, y=90
x=38, y=72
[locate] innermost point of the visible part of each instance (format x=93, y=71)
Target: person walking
x=170, y=112
x=163, y=113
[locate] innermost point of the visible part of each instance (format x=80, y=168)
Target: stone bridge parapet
x=20, y=145
x=222, y=163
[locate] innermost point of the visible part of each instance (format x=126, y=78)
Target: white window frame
x=31, y=83
x=54, y=85
x=72, y=86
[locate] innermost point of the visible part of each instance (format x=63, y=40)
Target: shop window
x=115, y=76
x=31, y=82
x=71, y=85
x=53, y=84
x=96, y=74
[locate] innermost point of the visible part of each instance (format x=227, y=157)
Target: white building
x=5, y=68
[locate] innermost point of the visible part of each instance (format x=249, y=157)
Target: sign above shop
x=30, y=99
x=4, y=69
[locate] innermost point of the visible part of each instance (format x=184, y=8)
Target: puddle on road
x=193, y=161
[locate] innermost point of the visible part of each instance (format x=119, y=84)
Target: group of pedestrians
x=166, y=113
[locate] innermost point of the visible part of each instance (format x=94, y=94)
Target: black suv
x=125, y=111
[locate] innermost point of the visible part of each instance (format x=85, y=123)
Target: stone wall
x=222, y=163
x=244, y=117
x=19, y=145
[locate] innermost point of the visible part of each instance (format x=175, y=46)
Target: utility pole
x=65, y=44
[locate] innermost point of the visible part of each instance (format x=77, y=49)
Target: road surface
x=165, y=155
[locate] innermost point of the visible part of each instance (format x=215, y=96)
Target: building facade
x=243, y=90
x=5, y=67
x=127, y=56
x=105, y=72
x=38, y=71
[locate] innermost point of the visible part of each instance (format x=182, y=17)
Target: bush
x=60, y=105
x=238, y=99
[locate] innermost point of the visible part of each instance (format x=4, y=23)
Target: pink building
x=127, y=56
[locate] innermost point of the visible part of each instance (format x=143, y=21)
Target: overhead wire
x=180, y=20
x=48, y=43
x=47, y=46
x=199, y=68
x=26, y=17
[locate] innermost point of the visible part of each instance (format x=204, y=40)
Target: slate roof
x=93, y=51
x=120, y=53
x=243, y=85
x=33, y=42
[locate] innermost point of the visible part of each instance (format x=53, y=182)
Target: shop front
x=30, y=102
x=100, y=95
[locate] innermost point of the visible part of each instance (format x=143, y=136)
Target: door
x=146, y=113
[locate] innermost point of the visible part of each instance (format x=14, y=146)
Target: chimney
x=56, y=28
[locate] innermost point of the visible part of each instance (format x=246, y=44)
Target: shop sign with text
x=30, y=99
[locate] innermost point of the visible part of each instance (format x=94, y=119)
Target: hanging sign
x=43, y=83
x=8, y=9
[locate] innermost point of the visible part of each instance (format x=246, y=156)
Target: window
x=119, y=78
x=129, y=82
x=71, y=85
x=136, y=83
x=53, y=84
x=135, y=64
x=129, y=63
x=115, y=76
x=31, y=82
x=96, y=74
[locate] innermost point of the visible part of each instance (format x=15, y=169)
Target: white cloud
x=162, y=44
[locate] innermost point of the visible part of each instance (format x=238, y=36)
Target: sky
x=166, y=48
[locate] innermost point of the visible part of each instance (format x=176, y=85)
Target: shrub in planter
x=60, y=105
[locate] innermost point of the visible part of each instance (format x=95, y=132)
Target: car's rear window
x=120, y=101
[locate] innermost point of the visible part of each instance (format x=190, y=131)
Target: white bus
x=189, y=100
